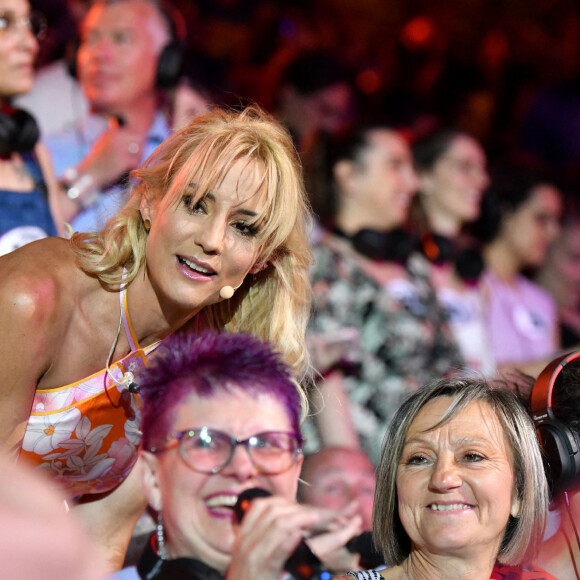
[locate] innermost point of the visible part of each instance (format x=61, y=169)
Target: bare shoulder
x=33, y=320
x=38, y=279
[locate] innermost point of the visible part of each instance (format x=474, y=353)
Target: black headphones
x=393, y=246
x=560, y=445
x=440, y=249
x=170, y=63
x=19, y=131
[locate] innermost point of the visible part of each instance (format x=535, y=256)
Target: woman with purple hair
x=205, y=396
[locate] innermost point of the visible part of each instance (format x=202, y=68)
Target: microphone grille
x=245, y=499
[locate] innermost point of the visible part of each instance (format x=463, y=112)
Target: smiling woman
x=461, y=490
x=221, y=418
x=219, y=206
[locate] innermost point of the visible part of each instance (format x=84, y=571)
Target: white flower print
x=45, y=433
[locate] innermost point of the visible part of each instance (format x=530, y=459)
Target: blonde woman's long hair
x=273, y=304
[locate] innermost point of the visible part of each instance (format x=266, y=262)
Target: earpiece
x=560, y=445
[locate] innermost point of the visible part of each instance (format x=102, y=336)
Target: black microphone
x=303, y=563
x=364, y=546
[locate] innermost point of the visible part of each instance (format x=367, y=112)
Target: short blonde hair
x=273, y=304
x=523, y=534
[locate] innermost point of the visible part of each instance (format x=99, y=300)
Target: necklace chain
x=405, y=569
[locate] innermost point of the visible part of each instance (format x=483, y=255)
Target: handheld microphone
x=363, y=545
x=303, y=563
x=228, y=291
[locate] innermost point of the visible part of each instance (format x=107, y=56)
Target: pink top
x=521, y=319
x=87, y=434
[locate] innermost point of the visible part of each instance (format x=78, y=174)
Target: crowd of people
x=360, y=301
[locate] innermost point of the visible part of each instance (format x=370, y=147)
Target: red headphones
x=560, y=445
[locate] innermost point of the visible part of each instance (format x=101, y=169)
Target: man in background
x=120, y=65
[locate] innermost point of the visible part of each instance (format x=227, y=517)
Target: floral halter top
x=86, y=435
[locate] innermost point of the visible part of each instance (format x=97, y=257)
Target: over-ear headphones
x=393, y=246
x=440, y=249
x=170, y=62
x=560, y=445
x=19, y=131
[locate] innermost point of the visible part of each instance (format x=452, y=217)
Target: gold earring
x=147, y=224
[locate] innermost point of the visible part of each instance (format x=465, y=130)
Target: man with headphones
x=555, y=408
x=128, y=51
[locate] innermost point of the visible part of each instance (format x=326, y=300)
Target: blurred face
x=329, y=109
x=338, y=477
x=18, y=48
x=454, y=186
x=455, y=484
x=565, y=256
x=385, y=180
x=196, y=247
x=188, y=103
x=531, y=229
x=197, y=507
x=118, y=54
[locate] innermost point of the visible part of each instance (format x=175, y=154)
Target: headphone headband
x=541, y=400
x=560, y=445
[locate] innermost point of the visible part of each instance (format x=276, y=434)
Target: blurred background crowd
x=495, y=69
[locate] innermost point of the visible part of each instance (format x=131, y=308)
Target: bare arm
x=28, y=307
x=61, y=207
x=330, y=406
x=110, y=519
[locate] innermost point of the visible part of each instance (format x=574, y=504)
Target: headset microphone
x=228, y=291
x=303, y=563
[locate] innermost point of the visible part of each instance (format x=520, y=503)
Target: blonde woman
x=213, y=235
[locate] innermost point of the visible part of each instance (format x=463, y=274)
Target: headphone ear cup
x=19, y=132
x=8, y=129
x=562, y=465
x=170, y=65
x=28, y=132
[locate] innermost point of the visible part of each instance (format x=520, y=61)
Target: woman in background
x=377, y=331
x=520, y=220
x=453, y=176
x=560, y=275
x=29, y=208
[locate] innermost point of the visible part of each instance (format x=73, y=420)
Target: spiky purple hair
x=205, y=363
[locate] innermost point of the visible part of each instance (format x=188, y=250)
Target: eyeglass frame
x=235, y=442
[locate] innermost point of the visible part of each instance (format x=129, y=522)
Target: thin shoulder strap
x=34, y=168
x=131, y=339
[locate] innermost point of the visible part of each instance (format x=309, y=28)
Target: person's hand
x=269, y=533
x=116, y=152
x=330, y=545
